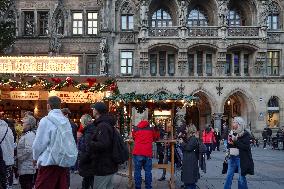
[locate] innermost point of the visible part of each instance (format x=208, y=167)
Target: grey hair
x=31, y=121
x=241, y=124
x=86, y=119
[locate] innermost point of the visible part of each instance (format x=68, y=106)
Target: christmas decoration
x=57, y=84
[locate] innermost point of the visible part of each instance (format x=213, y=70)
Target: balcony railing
x=202, y=31
x=163, y=32
x=243, y=31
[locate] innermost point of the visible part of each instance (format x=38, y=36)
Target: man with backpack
x=54, y=148
x=100, y=147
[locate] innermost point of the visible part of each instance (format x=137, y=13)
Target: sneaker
x=15, y=181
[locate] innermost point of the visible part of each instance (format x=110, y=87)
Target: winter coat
x=190, y=170
x=246, y=161
x=74, y=129
x=84, y=157
x=46, y=144
x=225, y=133
x=144, y=136
x=7, y=144
x=208, y=137
x=25, y=154
x=100, y=145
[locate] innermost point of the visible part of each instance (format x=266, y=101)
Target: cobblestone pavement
x=269, y=173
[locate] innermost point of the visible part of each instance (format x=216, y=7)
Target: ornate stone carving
x=220, y=64
x=126, y=8
x=263, y=11
x=273, y=7
x=182, y=13
x=144, y=63
x=260, y=63
x=144, y=13
x=202, y=32
x=182, y=61
x=104, y=56
x=127, y=37
x=223, y=12
x=243, y=31
x=163, y=32
x=274, y=37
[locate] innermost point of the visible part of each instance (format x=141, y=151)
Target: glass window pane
x=123, y=70
x=78, y=16
x=90, y=24
x=129, y=70
x=129, y=62
x=95, y=24
x=80, y=24
x=80, y=31
x=123, y=22
x=95, y=30
x=123, y=62
x=90, y=31
x=75, y=31
x=75, y=24
x=95, y=15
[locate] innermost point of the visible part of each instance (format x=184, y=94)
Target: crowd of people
x=46, y=153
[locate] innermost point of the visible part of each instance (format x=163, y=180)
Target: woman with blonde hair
x=190, y=170
x=240, y=154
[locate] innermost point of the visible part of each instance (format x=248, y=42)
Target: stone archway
x=238, y=103
x=200, y=114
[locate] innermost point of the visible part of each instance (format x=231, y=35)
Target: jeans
x=233, y=164
x=225, y=144
x=103, y=182
x=190, y=186
x=208, y=150
x=146, y=163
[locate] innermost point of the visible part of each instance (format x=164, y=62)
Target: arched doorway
x=238, y=104
x=200, y=113
x=273, y=112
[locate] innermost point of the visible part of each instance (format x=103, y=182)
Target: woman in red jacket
x=208, y=140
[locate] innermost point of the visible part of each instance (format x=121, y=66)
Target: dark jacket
x=74, y=130
x=190, y=170
x=83, y=156
x=225, y=133
x=100, y=147
x=243, y=144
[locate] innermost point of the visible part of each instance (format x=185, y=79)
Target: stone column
x=217, y=120
x=232, y=65
x=204, y=64
x=195, y=65
x=242, y=64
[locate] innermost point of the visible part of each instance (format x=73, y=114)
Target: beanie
x=100, y=107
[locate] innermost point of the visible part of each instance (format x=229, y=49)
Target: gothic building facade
x=229, y=53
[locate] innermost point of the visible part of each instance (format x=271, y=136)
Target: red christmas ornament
x=56, y=80
x=69, y=80
x=85, y=91
x=91, y=81
x=112, y=87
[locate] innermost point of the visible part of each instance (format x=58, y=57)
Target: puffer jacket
x=208, y=137
x=144, y=136
x=25, y=154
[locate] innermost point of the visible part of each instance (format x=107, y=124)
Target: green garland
x=148, y=97
x=58, y=84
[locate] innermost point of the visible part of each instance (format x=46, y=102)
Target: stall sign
x=20, y=95
x=77, y=97
x=39, y=64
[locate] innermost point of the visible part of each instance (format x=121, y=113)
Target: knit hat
x=100, y=107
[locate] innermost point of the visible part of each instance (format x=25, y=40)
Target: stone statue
x=182, y=13
x=103, y=52
x=144, y=13
x=54, y=44
x=263, y=12
x=223, y=12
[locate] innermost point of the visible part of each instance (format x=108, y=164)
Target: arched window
x=234, y=18
x=273, y=102
x=273, y=17
x=197, y=17
x=127, y=18
x=161, y=18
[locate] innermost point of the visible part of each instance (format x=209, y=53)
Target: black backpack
x=120, y=153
